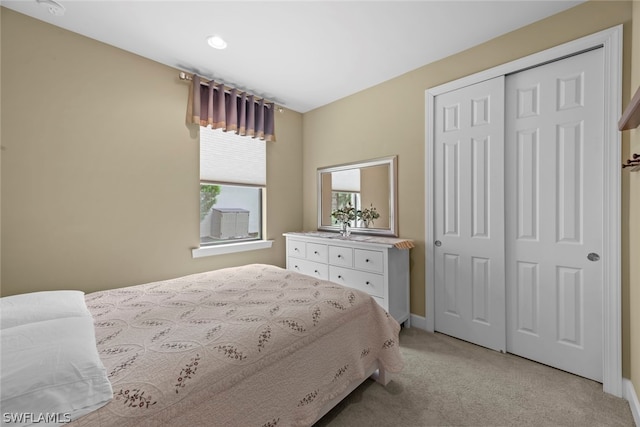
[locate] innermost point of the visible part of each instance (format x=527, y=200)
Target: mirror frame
x=392, y=162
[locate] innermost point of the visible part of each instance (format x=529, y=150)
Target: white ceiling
x=300, y=54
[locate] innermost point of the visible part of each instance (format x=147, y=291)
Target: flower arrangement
x=367, y=215
x=348, y=213
x=345, y=214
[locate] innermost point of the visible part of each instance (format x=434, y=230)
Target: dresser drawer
x=371, y=283
x=317, y=252
x=296, y=248
x=310, y=268
x=369, y=260
x=341, y=256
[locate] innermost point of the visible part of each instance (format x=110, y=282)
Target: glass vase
x=345, y=229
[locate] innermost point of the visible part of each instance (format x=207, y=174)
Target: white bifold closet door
x=519, y=217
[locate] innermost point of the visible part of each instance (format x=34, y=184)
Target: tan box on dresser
x=376, y=265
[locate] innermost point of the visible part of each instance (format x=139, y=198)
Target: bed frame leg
x=381, y=376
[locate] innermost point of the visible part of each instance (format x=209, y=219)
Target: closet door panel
x=554, y=153
x=469, y=214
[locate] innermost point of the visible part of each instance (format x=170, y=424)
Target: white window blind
x=347, y=181
x=231, y=158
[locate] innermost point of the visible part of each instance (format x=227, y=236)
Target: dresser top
x=382, y=240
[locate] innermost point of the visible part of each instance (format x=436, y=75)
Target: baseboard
x=629, y=393
x=418, y=322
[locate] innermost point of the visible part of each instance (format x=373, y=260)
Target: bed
x=255, y=345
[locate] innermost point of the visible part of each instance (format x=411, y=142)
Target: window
x=345, y=185
x=232, y=187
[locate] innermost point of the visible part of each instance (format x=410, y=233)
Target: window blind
x=347, y=181
x=231, y=158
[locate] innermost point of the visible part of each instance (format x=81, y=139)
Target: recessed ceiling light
x=216, y=42
x=53, y=6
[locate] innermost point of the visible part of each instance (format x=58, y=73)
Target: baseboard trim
x=418, y=322
x=629, y=393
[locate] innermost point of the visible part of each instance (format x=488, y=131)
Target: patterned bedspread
x=247, y=346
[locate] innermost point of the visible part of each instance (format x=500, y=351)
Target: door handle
x=593, y=256
x=438, y=243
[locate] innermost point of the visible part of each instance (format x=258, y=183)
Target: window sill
x=230, y=248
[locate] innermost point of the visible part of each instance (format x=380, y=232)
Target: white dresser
x=376, y=265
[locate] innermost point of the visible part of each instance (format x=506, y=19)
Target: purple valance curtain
x=230, y=110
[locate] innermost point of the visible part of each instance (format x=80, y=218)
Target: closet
x=517, y=210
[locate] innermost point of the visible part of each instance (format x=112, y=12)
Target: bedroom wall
x=100, y=172
x=390, y=119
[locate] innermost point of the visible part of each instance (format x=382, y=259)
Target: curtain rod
x=227, y=89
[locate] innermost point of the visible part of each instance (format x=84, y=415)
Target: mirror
x=368, y=186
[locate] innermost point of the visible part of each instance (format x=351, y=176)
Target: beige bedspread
x=248, y=346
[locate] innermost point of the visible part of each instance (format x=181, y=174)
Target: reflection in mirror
x=366, y=194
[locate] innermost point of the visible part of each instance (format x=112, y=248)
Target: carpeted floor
x=448, y=382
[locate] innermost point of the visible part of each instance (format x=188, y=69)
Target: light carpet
x=448, y=382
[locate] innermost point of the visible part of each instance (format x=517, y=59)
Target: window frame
x=239, y=245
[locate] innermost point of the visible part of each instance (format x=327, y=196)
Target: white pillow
x=37, y=306
x=51, y=367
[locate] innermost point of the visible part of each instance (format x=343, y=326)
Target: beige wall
x=632, y=325
x=362, y=122
x=100, y=172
